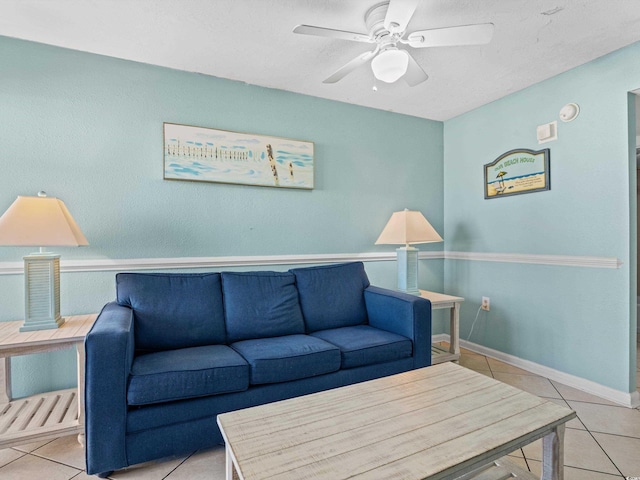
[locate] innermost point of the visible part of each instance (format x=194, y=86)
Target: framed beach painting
x=209, y=155
x=517, y=171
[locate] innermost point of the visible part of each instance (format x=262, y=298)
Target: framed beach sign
x=517, y=171
x=208, y=155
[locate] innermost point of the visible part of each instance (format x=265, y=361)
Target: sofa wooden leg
x=105, y=474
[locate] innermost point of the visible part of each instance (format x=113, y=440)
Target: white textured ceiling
x=252, y=41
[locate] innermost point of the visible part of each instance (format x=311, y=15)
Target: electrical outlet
x=486, y=303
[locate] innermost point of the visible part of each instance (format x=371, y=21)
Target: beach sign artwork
x=208, y=155
x=517, y=171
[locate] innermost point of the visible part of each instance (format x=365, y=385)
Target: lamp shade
x=39, y=222
x=389, y=65
x=406, y=228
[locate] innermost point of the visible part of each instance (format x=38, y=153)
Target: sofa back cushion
x=332, y=296
x=173, y=310
x=261, y=304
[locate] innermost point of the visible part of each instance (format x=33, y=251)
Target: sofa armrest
x=109, y=348
x=403, y=314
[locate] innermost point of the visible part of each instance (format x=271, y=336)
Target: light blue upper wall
x=88, y=129
x=577, y=320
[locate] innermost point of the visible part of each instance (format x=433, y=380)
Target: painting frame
x=530, y=173
x=204, y=154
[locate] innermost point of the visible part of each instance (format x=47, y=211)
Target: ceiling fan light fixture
x=389, y=65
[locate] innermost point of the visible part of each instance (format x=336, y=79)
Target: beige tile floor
x=602, y=443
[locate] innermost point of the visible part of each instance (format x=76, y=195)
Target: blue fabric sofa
x=175, y=350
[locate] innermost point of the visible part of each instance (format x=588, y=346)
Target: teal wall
x=88, y=129
x=577, y=320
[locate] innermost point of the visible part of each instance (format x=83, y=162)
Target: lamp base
x=42, y=292
x=408, y=270
x=31, y=325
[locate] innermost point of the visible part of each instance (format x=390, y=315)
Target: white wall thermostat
x=547, y=132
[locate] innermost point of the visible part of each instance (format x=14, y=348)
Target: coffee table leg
x=231, y=473
x=553, y=455
x=229, y=463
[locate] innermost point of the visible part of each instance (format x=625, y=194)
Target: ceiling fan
x=386, y=23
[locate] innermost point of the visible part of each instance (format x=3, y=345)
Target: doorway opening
x=637, y=160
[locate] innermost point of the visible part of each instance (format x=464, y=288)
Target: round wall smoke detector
x=569, y=112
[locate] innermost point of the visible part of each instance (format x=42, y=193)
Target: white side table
x=438, y=301
x=47, y=415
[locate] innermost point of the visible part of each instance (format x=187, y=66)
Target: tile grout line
x=24, y=454
x=588, y=431
x=526, y=462
x=179, y=465
x=524, y=457
x=588, y=470
x=591, y=433
x=78, y=474
x=33, y=454
x=580, y=420
x=15, y=459
x=605, y=452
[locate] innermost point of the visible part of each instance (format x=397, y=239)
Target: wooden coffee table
x=439, y=422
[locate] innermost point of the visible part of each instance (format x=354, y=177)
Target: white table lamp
x=408, y=228
x=40, y=222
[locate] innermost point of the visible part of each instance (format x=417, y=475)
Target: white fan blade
x=328, y=32
x=351, y=66
x=398, y=15
x=415, y=74
x=452, y=36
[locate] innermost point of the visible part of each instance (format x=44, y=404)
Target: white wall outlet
x=486, y=303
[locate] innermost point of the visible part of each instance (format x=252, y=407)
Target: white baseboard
x=626, y=399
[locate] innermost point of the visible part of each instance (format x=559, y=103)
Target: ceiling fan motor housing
x=374, y=20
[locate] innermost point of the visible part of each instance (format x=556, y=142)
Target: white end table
x=438, y=301
x=48, y=415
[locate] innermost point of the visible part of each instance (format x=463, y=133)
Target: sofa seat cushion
x=291, y=357
x=365, y=345
x=260, y=305
x=186, y=373
x=332, y=296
